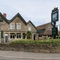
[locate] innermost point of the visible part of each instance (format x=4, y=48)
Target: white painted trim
x=11, y=27
x=4, y=37
x=29, y=28
x=17, y=25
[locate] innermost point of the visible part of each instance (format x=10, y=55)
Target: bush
x=53, y=42
x=28, y=35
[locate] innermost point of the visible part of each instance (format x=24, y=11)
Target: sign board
x=55, y=31
x=54, y=15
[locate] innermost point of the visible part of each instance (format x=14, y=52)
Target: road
x=7, y=58
x=16, y=55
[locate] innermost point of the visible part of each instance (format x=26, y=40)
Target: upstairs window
x=12, y=26
x=18, y=26
x=29, y=28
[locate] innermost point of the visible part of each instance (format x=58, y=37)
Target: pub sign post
x=54, y=19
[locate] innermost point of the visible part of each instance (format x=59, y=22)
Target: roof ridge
x=18, y=14
x=43, y=24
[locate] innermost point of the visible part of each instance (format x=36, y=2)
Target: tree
x=28, y=34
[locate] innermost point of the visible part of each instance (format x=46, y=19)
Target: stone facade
x=46, y=31
x=15, y=33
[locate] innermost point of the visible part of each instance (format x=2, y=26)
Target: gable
x=49, y=27
x=33, y=28
x=45, y=29
x=20, y=18
x=2, y=18
x=48, y=31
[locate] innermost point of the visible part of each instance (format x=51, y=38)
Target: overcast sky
x=38, y=11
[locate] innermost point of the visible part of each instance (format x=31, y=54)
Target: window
x=18, y=35
x=40, y=35
x=12, y=35
x=12, y=26
x=29, y=28
x=18, y=26
x=50, y=28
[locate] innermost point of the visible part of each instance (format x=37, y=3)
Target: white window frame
x=29, y=28
x=11, y=26
x=17, y=26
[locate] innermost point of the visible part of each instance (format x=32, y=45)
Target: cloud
x=38, y=11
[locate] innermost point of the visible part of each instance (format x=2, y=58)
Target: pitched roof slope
x=3, y=17
x=31, y=23
x=18, y=15
x=44, y=26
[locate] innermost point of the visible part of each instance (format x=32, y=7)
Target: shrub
x=53, y=42
x=28, y=35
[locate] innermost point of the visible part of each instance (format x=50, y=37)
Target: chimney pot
x=4, y=14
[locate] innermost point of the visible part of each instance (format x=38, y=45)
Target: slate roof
x=44, y=27
x=17, y=15
x=4, y=17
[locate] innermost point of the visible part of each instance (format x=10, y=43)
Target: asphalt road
x=7, y=58
x=16, y=55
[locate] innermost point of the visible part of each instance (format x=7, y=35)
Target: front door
x=6, y=37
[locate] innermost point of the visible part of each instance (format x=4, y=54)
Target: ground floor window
x=18, y=35
x=49, y=35
x=40, y=35
x=12, y=35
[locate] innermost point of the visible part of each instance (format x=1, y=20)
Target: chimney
x=4, y=14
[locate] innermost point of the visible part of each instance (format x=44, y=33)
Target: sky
x=38, y=11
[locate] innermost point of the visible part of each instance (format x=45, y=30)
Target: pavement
x=30, y=55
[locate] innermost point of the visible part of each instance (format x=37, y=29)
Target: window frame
x=12, y=35
x=11, y=26
x=29, y=28
x=18, y=35
x=17, y=26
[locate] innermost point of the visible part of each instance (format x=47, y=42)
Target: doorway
x=6, y=37
x=34, y=36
